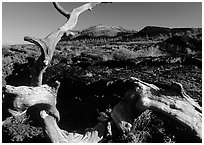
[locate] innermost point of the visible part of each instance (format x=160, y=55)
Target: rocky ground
x=94, y=76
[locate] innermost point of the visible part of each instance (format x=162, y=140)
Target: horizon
x=38, y=19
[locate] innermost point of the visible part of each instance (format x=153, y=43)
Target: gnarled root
x=40, y=104
x=171, y=101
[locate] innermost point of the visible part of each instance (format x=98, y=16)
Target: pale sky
x=38, y=19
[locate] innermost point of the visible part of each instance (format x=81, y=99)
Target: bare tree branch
x=48, y=44
x=70, y=24
x=39, y=42
x=61, y=10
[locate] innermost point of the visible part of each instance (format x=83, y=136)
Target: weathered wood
x=19, y=99
x=40, y=103
x=47, y=45
x=171, y=100
x=57, y=135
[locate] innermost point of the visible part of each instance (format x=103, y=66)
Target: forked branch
x=61, y=10
x=48, y=44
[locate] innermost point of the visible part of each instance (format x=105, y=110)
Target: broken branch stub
x=19, y=99
x=171, y=101
x=47, y=45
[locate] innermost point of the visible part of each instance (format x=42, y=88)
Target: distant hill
x=103, y=31
x=152, y=31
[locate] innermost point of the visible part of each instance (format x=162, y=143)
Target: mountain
x=103, y=31
x=152, y=31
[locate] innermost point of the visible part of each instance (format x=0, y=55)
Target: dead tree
x=171, y=101
x=47, y=45
x=18, y=99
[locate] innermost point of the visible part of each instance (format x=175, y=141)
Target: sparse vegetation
x=94, y=70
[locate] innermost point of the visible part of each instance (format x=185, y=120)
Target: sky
x=38, y=19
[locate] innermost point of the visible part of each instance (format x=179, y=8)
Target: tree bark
x=47, y=45
x=18, y=100
x=40, y=102
x=169, y=100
